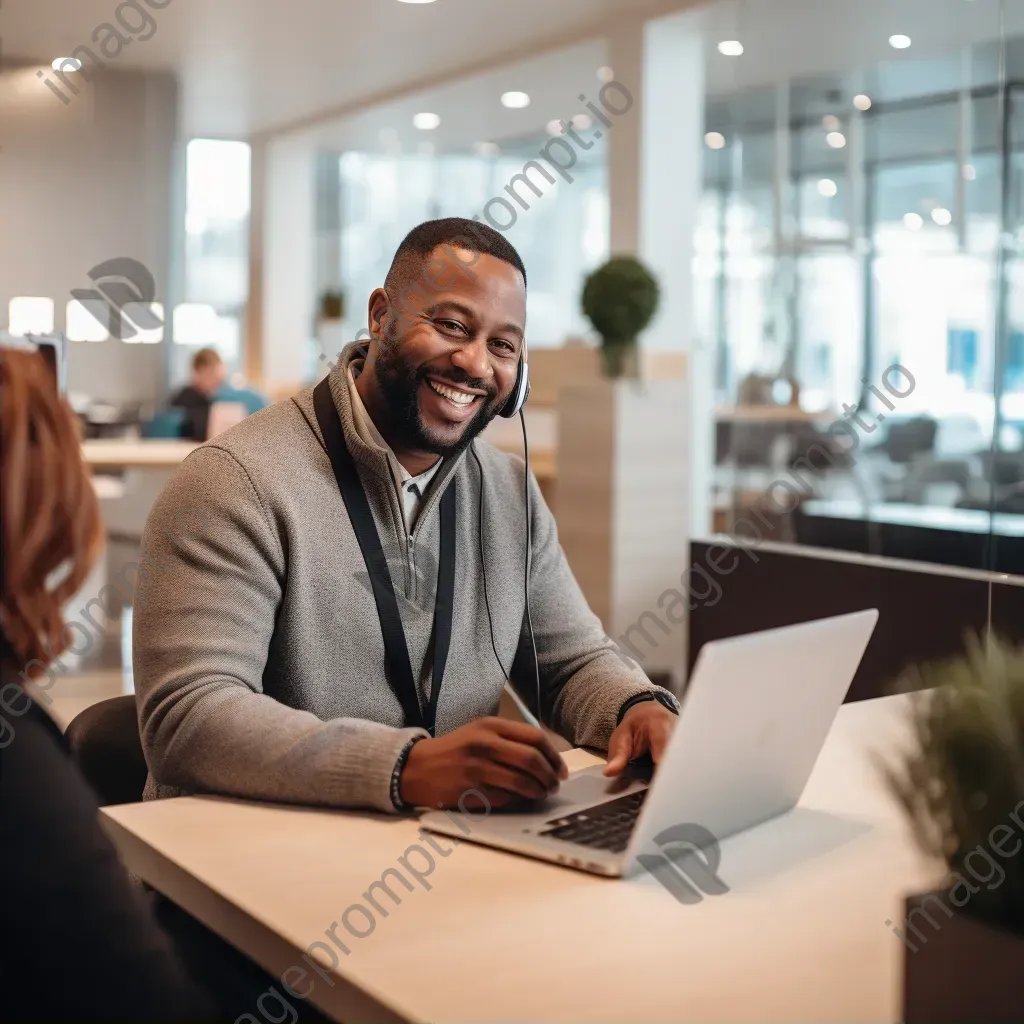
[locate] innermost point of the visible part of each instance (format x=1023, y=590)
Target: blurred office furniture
x=920, y=533
x=103, y=419
x=756, y=446
x=128, y=454
x=128, y=476
x=925, y=610
x=105, y=744
x=164, y=424
x=250, y=398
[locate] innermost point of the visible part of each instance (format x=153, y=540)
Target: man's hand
x=644, y=727
x=507, y=762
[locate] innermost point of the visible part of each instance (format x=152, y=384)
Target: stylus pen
x=523, y=709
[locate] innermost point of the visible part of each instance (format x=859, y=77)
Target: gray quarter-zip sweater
x=258, y=657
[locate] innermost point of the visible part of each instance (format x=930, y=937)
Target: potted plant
x=332, y=305
x=622, y=519
x=620, y=300
x=961, y=785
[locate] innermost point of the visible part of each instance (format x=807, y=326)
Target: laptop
x=753, y=721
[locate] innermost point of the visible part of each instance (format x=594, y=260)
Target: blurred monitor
x=52, y=348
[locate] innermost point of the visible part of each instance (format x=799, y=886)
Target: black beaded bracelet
x=396, y=776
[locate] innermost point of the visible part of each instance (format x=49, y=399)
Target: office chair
x=105, y=744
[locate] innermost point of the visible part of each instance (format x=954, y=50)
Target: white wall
x=82, y=183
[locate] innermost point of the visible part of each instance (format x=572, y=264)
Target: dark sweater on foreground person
x=78, y=940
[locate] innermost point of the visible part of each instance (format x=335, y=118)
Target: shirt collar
x=368, y=432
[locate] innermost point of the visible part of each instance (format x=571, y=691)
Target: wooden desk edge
x=339, y=998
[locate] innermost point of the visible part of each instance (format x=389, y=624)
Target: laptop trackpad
x=583, y=789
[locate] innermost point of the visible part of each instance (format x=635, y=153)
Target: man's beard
x=400, y=382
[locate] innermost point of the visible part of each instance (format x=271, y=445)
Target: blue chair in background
x=165, y=424
x=249, y=397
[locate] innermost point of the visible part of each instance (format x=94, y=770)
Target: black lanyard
x=399, y=667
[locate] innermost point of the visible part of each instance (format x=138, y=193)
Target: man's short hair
x=453, y=232
x=206, y=357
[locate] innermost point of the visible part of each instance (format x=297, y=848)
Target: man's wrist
x=396, y=775
x=665, y=699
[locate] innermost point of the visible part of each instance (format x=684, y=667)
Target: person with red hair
x=78, y=940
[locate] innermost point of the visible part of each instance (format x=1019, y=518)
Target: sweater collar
x=373, y=458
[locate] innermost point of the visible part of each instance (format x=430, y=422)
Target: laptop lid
x=754, y=719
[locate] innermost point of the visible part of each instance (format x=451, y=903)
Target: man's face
x=447, y=349
x=210, y=378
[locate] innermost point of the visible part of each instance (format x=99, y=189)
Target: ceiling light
x=942, y=216
x=969, y=172
x=486, y=149
x=730, y=48
x=827, y=187
x=515, y=100
x=836, y=140
x=913, y=221
x=899, y=42
x=554, y=128
x=415, y=1
x=426, y=122
x=582, y=122
x=66, y=64
x=605, y=74
x=830, y=123
x=714, y=140
x=862, y=102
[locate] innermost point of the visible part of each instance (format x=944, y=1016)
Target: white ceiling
x=248, y=66
x=353, y=67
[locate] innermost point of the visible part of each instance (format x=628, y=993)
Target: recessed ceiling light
x=862, y=102
x=836, y=140
x=605, y=74
x=66, y=64
x=415, y=1
x=899, y=42
x=426, y=122
x=486, y=148
x=913, y=221
x=942, y=216
x=730, y=48
x=515, y=100
x=830, y=123
x=581, y=122
x=554, y=127
x=969, y=172
x=714, y=140
x=827, y=187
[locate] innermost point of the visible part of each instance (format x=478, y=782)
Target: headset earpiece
x=520, y=391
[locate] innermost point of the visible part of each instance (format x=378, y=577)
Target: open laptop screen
x=51, y=348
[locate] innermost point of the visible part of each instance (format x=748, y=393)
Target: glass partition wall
x=860, y=276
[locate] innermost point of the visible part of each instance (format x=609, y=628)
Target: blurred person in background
x=208, y=377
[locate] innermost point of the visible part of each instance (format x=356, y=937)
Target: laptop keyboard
x=606, y=826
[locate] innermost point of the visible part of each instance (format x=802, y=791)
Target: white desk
x=801, y=936
x=116, y=453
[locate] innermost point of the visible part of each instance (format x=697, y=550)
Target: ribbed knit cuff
x=663, y=697
x=396, y=775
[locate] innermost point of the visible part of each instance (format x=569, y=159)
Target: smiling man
x=280, y=654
